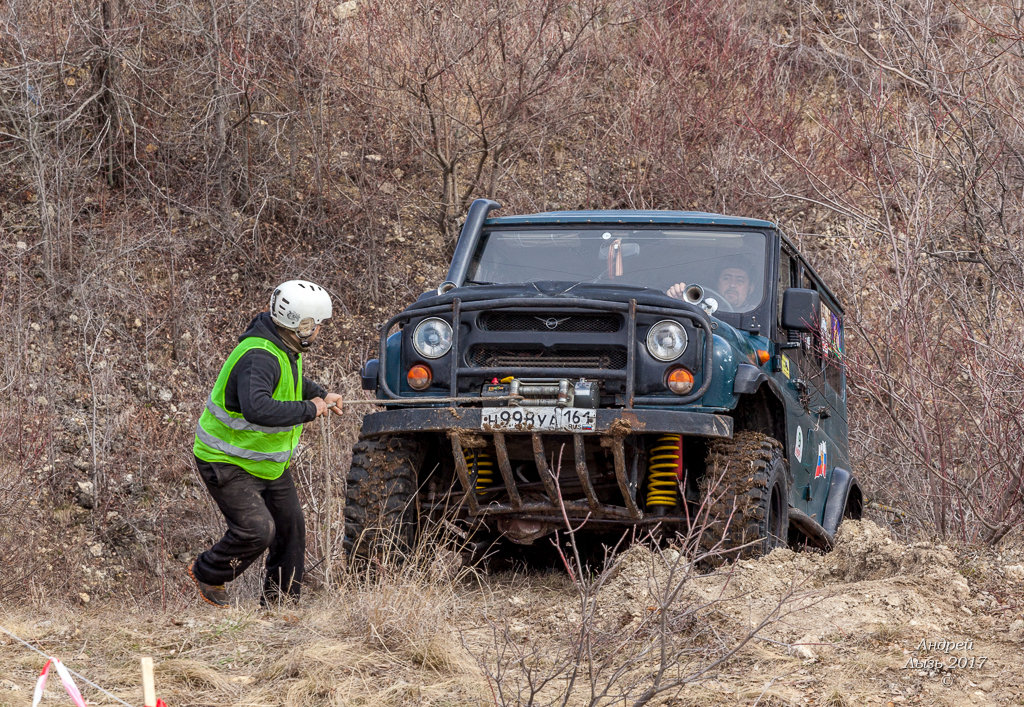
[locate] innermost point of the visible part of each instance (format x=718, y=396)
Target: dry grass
x=425, y=632
x=386, y=639
x=382, y=637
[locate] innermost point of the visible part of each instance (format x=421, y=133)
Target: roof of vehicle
x=620, y=216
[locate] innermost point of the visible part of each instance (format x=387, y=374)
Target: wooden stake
x=148, y=683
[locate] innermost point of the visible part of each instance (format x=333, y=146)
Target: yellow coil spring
x=664, y=471
x=481, y=465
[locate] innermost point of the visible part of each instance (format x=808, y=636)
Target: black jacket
x=251, y=385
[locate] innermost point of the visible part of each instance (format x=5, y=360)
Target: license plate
x=539, y=419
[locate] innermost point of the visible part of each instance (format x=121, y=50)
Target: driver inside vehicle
x=733, y=284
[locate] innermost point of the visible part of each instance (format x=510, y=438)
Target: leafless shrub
x=476, y=87
x=167, y=163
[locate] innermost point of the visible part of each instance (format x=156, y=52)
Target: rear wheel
x=747, y=487
x=380, y=500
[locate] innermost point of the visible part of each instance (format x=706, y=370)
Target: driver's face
x=734, y=285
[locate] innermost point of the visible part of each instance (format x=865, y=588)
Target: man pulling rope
x=245, y=440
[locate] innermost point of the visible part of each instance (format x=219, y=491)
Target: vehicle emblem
x=551, y=322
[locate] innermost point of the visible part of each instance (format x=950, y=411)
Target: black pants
x=260, y=514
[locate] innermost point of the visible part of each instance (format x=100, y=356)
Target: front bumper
x=609, y=421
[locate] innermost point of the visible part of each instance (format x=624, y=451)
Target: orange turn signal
x=762, y=356
x=679, y=381
x=420, y=376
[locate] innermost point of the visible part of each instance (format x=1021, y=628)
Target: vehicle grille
x=522, y=321
x=485, y=356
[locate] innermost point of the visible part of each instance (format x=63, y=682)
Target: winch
x=552, y=392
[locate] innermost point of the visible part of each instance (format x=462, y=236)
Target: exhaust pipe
x=468, y=239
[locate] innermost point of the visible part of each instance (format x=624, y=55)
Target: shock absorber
x=481, y=468
x=664, y=471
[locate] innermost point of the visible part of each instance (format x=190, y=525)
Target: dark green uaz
x=611, y=370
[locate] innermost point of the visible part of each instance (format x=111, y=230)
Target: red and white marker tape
x=65, y=678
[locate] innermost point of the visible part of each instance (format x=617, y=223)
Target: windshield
x=729, y=266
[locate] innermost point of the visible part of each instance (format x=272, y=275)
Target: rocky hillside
x=164, y=165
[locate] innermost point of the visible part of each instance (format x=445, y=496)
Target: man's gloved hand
x=333, y=401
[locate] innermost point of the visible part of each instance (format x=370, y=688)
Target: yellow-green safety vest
x=226, y=436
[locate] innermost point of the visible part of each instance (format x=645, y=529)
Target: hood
x=567, y=290
x=263, y=327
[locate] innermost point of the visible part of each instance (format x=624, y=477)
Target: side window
x=785, y=279
x=823, y=351
x=828, y=341
x=816, y=340
x=832, y=347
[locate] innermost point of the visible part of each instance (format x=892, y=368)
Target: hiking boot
x=216, y=594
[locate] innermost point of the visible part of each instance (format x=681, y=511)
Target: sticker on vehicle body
x=785, y=365
x=825, y=329
x=821, y=468
x=836, y=336
x=831, y=333
x=798, y=448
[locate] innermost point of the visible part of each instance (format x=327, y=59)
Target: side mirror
x=801, y=309
x=368, y=374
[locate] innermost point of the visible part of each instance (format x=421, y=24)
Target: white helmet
x=300, y=305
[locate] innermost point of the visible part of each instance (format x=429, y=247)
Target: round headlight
x=432, y=338
x=666, y=340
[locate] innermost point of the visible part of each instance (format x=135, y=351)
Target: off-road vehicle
x=552, y=379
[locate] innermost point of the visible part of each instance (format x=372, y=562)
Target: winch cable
x=425, y=401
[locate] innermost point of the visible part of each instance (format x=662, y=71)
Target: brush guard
x=627, y=339
x=459, y=416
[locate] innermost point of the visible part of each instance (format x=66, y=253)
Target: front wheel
x=746, y=488
x=380, y=499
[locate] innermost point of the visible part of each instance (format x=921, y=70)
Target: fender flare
x=842, y=486
x=749, y=378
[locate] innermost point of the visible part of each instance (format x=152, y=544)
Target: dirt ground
x=875, y=621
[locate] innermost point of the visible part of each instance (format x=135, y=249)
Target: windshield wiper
x=470, y=281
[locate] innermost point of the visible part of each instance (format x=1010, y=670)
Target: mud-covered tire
x=380, y=500
x=747, y=487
